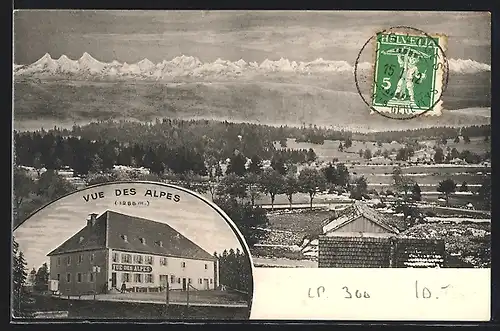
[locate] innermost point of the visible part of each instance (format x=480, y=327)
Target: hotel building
x=115, y=248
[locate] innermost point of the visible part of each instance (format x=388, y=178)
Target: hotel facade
x=115, y=249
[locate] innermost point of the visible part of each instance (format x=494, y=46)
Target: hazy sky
x=192, y=217
x=130, y=36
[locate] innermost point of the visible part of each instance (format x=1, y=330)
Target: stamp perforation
x=428, y=103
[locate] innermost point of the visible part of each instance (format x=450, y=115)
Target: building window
x=92, y=256
x=172, y=279
x=79, y=277
x=200, y=281
x=163, y=261
x=58, y=277
x=58, y=261
x=138, y=259
x=68, y=260
x=206, y=266
x=163, y=279
x=149, y=259
x=80, y=258
x=211, y=280
x=126, y=258
x=115, y=257
x=179, y=280
x=68, y=278
x=143, y=241
x=183, y=264
x=91, y=277
x=125, y=277
x=149, y=278
x=138, y=278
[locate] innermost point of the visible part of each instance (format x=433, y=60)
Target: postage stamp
x=409, y=73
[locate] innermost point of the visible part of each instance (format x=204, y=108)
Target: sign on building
x=132, y=268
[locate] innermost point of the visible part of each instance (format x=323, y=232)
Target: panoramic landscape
x=259, y=113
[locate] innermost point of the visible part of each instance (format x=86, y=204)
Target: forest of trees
x=235, y=271
x=19, y=278
x=51, y=151
x=220, y=138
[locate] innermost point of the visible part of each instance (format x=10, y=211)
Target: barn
x=115, y=249
x=361, y=220
x=362, y=237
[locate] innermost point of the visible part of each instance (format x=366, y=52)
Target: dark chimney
x=92, y=219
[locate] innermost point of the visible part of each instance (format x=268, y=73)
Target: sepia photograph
x=330, y=139
x=131, y=250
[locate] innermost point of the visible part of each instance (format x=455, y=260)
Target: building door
x=184, y=284
x=113, y=280
x=205, y=283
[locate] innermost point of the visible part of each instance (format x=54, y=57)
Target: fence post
x=187, y=299
x=166, y=299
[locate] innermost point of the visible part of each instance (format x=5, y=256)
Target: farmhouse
x=361, y=237
x=361, y=220
x=116, y=248
x=357, y=220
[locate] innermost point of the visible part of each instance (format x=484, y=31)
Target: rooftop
x=368, y=252
x=389, y=222
x=133, y=234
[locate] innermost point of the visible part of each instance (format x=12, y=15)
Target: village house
x=360, y=236
x=116, y=248
x=357, y=220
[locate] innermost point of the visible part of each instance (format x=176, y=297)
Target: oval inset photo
x=132, y=250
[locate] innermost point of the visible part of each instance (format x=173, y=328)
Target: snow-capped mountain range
x=188, y=66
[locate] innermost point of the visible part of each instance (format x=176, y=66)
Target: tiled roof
x=369, y=252
x=358, y=209
x=86, y=239
x=419, y=253
x=353, y=252
x=135, y=229
x=174, y=244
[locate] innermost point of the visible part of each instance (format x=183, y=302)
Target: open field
x=329, y=149
x=90, y=309
x=199, y=298
x=273, y=102
x=431, y=197
x=476, y=145
x=270, y=262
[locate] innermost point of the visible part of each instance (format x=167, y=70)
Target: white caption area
x=443, y=294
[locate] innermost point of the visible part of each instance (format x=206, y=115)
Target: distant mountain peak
x=190, y=66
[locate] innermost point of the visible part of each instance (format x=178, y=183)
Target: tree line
x=19, y=278
x=235, y=271
x=50, y=151
x=223, y=136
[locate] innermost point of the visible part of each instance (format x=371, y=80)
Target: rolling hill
x=263, y=102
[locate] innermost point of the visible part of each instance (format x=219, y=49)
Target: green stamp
x=408, y=76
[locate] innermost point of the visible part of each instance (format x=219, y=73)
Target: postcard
x=237, y=165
